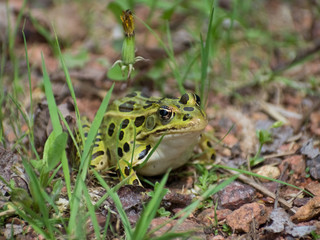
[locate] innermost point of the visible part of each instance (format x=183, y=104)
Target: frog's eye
x=165, y=113
x=197, y=98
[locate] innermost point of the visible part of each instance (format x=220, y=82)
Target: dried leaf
x=308, y=150
x=282, y=223
x=308, y=211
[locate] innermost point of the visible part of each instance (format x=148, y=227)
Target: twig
x=286, y=165
x=7, y=212
x=272, y=111
x=295, y=196
x=279, y=154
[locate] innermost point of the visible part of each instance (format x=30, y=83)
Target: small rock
x=242, y=218
x=177, y=200
x=208, y=215
x=271, y=186
x=132, y=198
x=296, y=164
x=235, y=195
x=268, y=171
x=308, y=211
x=187, y=226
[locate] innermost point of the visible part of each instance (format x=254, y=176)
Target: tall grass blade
x=54, y=116
x=70, y=86
x=91, y=210
x=184, y=213
x=118, y=204
x=29, y=79
x=75, y=201
x=172, y=64
x=50, y=98
x=264, y=177
x=37, y=194
x=205, y=51
x=150, y=211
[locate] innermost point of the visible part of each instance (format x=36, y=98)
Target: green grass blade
x=118, y=204
x=205, y=50
x=174, y=67
x=30, y=123
x=45, y=33
x=184, y=213
x=75, y=201
x=36, y=192
x=54, y=116
x=211, y=190
x=50, y=98
x=69, y=131
x=71, y=89
x=104, y=235
x=103, y=183
x=2, y=93
x=174, y=235
x=31, y=221
x=150, y=211
x=91, y=211
x=260, y=176
x=151, y=152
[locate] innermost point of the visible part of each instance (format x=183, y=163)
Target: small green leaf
x=116, y=74
x=277, y=124
x=264, y=136
x=255, y=161
x=37, y=164
x=56, y=189
x=163, y=213
x=53, y=150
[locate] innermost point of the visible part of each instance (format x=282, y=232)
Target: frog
x=142, y=135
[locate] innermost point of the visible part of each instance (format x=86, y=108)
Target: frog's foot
x=129, y=174
x=207, y=147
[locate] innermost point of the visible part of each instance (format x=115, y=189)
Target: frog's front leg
x=127, y=172
x=127, y=167
x=207, y=148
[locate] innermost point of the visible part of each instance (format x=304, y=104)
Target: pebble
x=235, y=195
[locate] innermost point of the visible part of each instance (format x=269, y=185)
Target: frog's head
x=173, y=116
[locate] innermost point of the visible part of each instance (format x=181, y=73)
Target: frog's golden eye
x=165, y=113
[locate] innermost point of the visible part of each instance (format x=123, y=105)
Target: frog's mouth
x=191, y=128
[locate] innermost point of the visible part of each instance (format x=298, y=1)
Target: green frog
x=134, y=125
